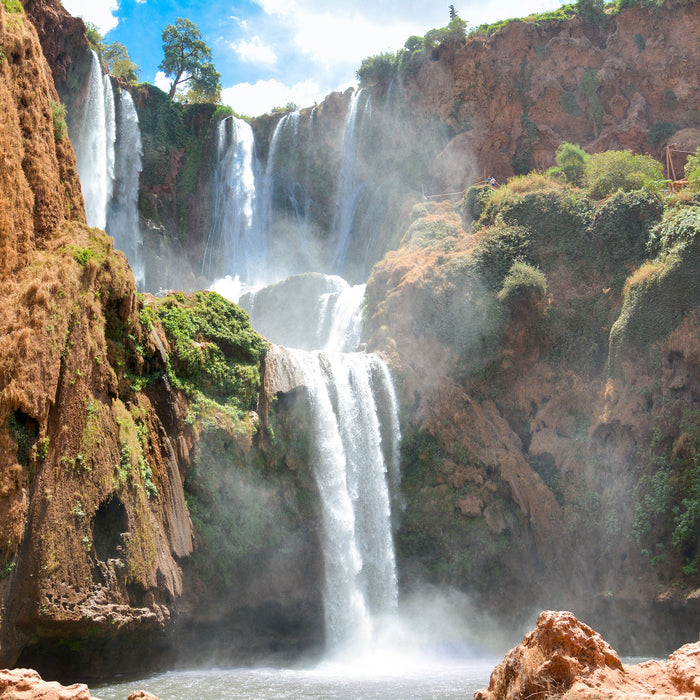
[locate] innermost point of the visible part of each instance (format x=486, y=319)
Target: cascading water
x=123, y=215
x=350, y=467
x=236, y=244
x=355, y=451
x=94, y=145
x=349, y=188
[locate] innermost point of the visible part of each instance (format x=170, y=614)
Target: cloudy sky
x=272, y=52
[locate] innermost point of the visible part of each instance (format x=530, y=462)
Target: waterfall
x=354, y=445
x=349, y=187
x=236, y=245
x=94, y=145
x=123, y=214
x=350, y=465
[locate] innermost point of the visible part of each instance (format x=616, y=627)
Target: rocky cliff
x=538, y=456
x=113, y=411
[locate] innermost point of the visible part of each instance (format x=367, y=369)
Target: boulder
x=26, y=684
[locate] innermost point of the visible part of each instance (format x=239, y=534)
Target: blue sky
x=271, y=52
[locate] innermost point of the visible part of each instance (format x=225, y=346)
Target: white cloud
x=254, y=51
x=261, y=97
x=162, y=81
x=97, y=12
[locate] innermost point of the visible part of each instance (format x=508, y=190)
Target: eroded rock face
x=563, y=655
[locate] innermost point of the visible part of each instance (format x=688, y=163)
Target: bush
x=660, y=132
x=660, y=295
x=610, y=171
x=523, y=283
x=571, y=158
x=692, y=171
x=679, y=227
x=473, y=202
x=623, y=222
x=499, y=248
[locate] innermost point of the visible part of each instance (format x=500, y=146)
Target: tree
x=188, y=59
x=120, y=65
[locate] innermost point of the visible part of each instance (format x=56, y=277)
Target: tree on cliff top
x=188, y=59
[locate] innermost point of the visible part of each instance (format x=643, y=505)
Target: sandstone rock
x=26, y=684
x=142, y=695
x=562, y=655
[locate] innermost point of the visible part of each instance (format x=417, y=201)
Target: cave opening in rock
x=109, y=524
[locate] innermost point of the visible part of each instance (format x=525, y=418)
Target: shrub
x=473, y=202
x=571, y=158
x=610, y=171
x=679, y=227
x=499, y=248
x=692, y=171
x=623, y=222
x=660, y=132
x=13, y=6
x=659, y=296
x=58, y=114
x=523, y=283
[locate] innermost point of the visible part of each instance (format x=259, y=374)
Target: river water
x=407, y=679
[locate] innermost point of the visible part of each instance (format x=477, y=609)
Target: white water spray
x=123, y=215
x=349, y=186
x=94, y=145
x=236, y=245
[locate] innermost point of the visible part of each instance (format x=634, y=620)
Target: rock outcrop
x=25, y=684
x=564, y=657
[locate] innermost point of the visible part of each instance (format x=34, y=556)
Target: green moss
x=58, y=113
x=24, y=432
x=13, y=6
x=660, y=294
x=216, y=351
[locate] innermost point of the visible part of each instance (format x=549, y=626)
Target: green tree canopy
x=120, y=65
x=188, y=59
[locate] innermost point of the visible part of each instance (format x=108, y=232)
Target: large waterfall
x=107, y=142
x=123, y=214
x=236, y=243
x=94, y=145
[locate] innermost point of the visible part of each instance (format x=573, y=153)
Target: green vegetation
x=94, y=37
x=589, y=86
x=13, y=6
x=662, y=292
x=24, y=432
x=609, y=171
x=692, y=171
x=188, y=61
x=523, y=284
x=216, y=352
x=58, y=114
x=572, y=159
x=120, y=65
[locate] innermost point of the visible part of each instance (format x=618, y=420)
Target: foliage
x=692, y=171
x=605, y=173
x=120, y=65
x=13, y=6
x=640, y=42
x=94, y=37
x=679, y=227
x=622, y=224
x=188, y=59
x=660, y=294
x=561, y=14
x=571, y=158
x=58, y=114
x=378, y=70
x=590, y=10
x=215, y=349
x=667, y=510
x=498, y=249
x=473, y=202
x=660, y=132
x=24, y=433
x=589, y=87
x=523, y=283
